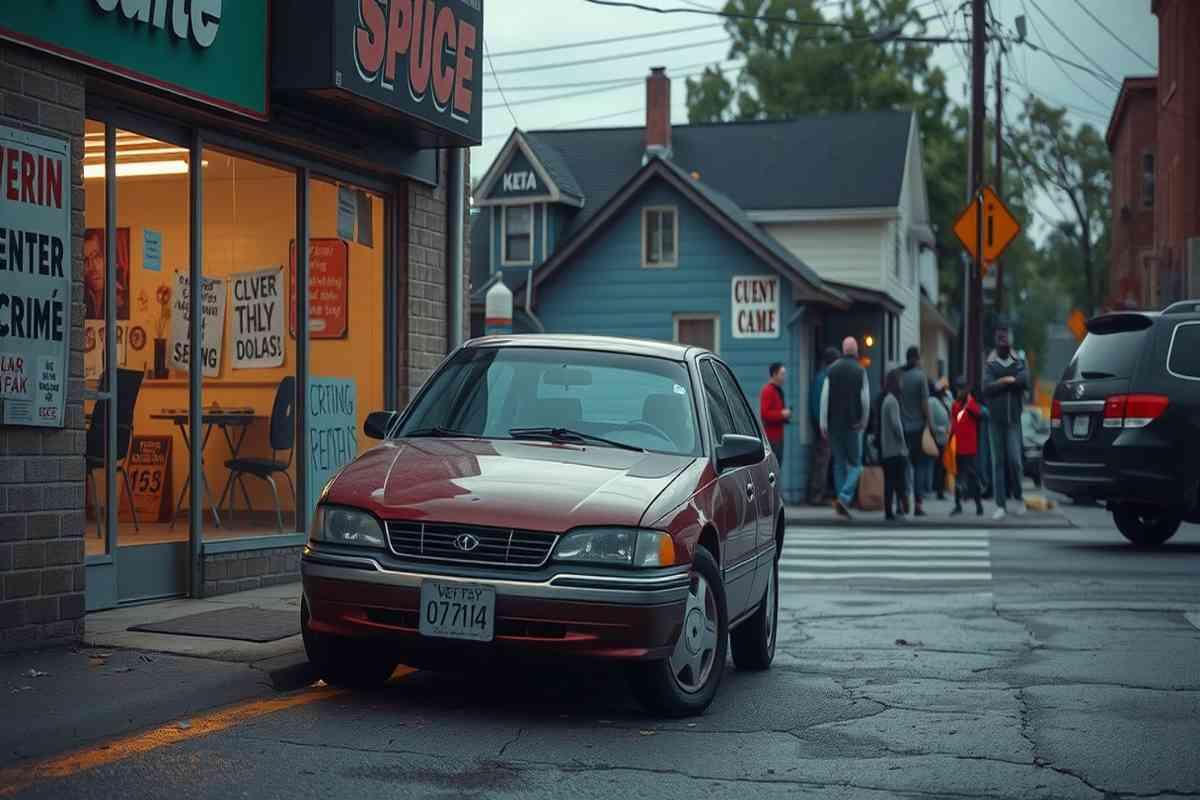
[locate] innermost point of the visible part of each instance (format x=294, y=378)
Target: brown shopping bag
x=870, y=489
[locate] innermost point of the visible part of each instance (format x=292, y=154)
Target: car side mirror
x=379, y=423
x=739, y=451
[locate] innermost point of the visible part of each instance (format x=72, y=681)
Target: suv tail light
x=1056, y=414
x=1133, y=410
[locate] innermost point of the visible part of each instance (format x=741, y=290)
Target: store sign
x=149, y=467
x=35, y=277
x=208, y=50
x=332, y=431
x=328, y=289
x=755, y=300
x=212, y=316
x=257, y=319
x=420, y=57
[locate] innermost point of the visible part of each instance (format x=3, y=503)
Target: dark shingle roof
x=851, y=160
x=557, y=167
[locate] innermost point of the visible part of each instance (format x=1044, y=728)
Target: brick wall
x=427, y=276
x=41, y=470
x=251, y=569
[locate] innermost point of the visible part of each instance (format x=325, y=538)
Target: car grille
x=496, y=546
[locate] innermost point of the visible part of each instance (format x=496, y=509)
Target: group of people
x=917, y=430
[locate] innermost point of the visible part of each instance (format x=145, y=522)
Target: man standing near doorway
x=1005, y=378
x=818, y=476
x=914, y=413
x=774, y=411
x=845, y=405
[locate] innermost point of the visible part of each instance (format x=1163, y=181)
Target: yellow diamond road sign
x=1000, y=227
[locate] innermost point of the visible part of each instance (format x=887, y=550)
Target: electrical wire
x=610, y=40
x=1100, y=72
x=487, y=52
x=1114, y=35
x=1044, y=49
x=599, y=90
x=725, y=14
x=604, y=59
x=600, y=82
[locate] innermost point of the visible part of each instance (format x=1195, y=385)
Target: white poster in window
x=212, y=320
x=755, y=301
x=35, y=287
x=256, y=321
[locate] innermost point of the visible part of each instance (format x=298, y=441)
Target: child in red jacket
x=964, y=427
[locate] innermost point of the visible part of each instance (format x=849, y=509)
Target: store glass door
x=135, y=245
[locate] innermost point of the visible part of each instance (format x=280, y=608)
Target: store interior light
x=869, y=341
x=140, y=169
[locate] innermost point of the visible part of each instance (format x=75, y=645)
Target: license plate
x=1080, y=426
x=458, y=611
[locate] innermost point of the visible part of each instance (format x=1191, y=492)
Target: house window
x=518, y=235
x=1148, y=180
x=660, y=237
x=699, y=330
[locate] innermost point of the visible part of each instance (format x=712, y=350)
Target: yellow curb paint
x=15, y=779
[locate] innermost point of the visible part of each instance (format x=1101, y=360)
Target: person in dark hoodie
x=1005, y=378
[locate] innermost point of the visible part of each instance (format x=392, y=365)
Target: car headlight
x=338, y=525
x=618, y=547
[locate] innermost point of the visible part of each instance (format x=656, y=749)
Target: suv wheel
x=345, y=662
x=685, y=683
x=753, y=642
x=1145, y=527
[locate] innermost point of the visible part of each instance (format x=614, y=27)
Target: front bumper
x=557, y=611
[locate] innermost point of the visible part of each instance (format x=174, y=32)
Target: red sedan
x=558, y=495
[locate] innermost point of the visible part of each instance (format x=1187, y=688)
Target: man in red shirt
x=774, y=410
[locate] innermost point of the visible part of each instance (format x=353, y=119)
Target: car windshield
x=581, y=396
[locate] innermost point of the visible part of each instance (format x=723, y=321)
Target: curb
x=287, y=672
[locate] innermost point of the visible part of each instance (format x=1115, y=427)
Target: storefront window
x=248, y=359
x=96, y=443
x=346, y=304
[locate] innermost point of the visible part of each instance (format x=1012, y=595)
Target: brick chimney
x=658, y=113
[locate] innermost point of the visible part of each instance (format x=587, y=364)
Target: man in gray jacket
x=1005, y=378
x=845, y=406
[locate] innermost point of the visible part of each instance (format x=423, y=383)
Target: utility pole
x=974, y=343
x=999, y=179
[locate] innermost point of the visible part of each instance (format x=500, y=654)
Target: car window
x=1107, y=355
x=637, y=400
x=718, y=408
x=743, y=418
x=1184, y=356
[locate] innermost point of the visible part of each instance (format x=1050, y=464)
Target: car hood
x=513, y=484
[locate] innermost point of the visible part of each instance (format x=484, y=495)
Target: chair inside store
x=129, y=383
x=282, y=438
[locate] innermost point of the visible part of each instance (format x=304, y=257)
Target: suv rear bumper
x=1130, y=480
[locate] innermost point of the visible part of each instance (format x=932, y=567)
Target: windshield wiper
x=569, y=435
x=436, y=430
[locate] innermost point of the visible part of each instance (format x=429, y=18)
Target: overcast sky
x=547, y=23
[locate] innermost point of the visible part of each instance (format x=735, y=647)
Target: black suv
x=1125, y=421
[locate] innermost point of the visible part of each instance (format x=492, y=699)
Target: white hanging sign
x=212, y=317
x=755, y=305
x=256, y=321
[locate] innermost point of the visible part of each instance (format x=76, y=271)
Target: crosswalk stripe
x=911, y=555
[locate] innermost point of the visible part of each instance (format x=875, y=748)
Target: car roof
x=609, y=344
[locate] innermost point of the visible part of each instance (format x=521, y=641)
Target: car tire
x=752, y=643
x=1145, y=527
x=345, y=662
x=669, y=687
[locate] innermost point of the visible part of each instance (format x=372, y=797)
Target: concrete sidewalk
x=937, y=515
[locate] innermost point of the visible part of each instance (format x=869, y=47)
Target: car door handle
x=771, y=478
x=750, y=491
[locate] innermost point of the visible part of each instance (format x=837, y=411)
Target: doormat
x=240, y=622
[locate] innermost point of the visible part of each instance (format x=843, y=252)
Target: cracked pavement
x=1076, y=674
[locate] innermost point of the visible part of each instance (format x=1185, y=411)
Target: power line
x=725, y=14
x=599, y=90
x=609, y=40
x=600, y=82
x=596, y=118
x=1044, y=49
x=602, y=59
x=1025, y=83
x=1113, y=34
x=487, y=52
x=1099, y=69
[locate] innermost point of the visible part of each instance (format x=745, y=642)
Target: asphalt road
x=1015, y=663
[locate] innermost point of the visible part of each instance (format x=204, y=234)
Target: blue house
x=632, y=232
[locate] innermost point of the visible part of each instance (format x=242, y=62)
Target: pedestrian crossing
x=826, y=556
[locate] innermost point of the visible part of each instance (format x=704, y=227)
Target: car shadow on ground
x=1125, y=549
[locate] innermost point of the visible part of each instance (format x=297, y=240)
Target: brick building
x=142, y=153
x=1154, y=137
